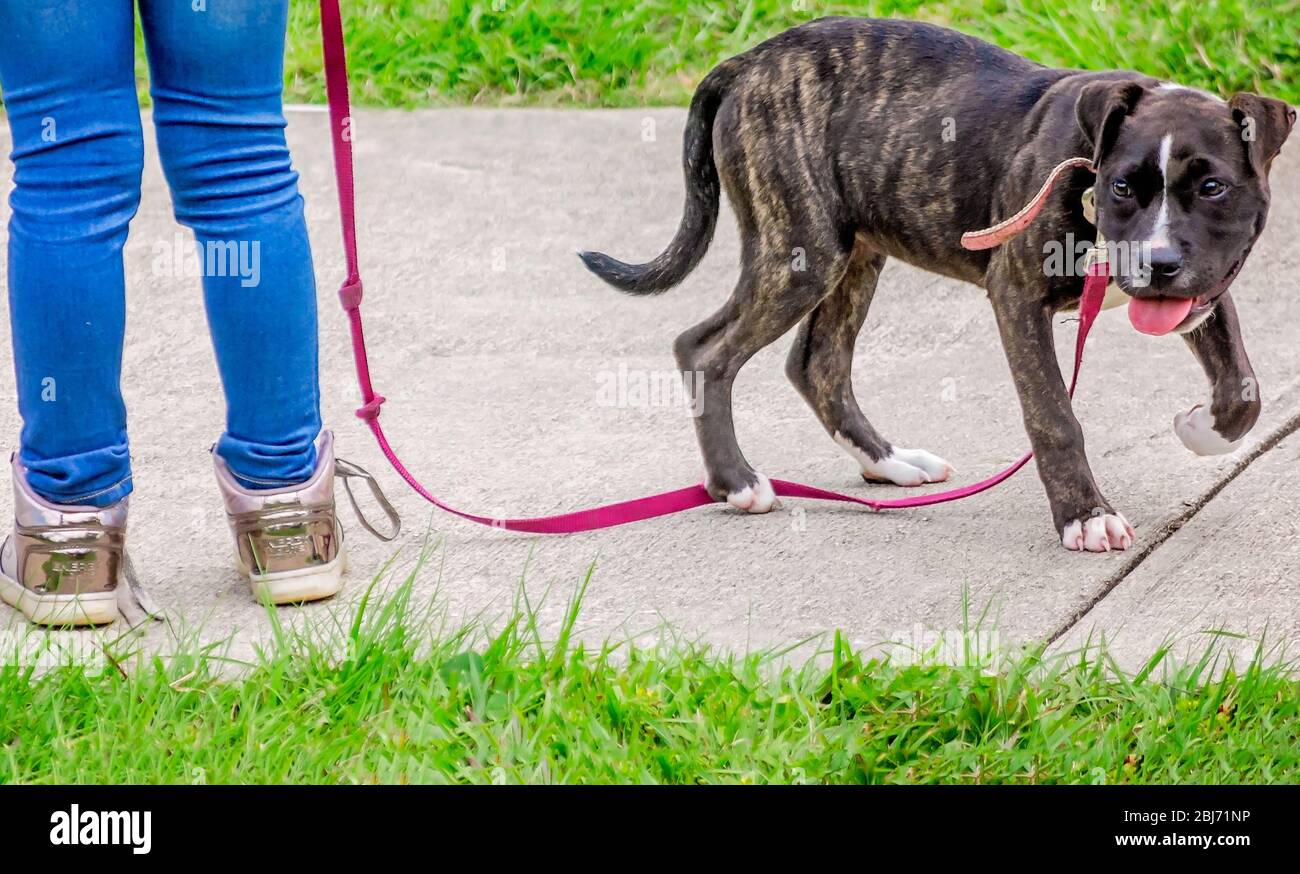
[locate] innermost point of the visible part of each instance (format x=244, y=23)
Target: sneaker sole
x=99, y=608
x=297, y=587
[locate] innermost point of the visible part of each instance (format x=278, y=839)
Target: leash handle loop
x=1004, y=230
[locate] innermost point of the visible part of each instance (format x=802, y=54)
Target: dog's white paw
x=1196, y=429
x=902, y=467
x=758, y=498
x=935, y=468
x=1100, y=533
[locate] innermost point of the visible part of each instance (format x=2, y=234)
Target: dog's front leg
x=1234, y=392
x=1083, y=518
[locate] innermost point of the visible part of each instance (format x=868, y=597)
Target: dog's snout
x=1166, y=263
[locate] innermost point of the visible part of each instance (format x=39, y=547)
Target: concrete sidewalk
x=513, y=376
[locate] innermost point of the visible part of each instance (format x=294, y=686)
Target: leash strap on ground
x=665, y=503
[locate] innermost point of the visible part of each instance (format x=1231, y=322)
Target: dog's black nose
x=1165, y=263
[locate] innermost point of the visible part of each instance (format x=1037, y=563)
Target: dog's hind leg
x=820, y=366
x=770, y=298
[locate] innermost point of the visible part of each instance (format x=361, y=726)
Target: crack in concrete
x=1171, y=527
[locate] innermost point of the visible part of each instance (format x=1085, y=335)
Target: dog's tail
x=701, y=214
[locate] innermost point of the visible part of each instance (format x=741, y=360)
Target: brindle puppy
x=829, y=140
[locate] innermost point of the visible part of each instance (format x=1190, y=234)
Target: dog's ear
x=1101, y=109
x=1264, y=124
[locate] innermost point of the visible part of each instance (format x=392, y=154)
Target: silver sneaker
x=288, y=541
x=63, y=563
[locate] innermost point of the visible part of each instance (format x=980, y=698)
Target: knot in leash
x=350, y=294
x=370, y=410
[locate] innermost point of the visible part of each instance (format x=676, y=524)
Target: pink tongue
x=1158, y=315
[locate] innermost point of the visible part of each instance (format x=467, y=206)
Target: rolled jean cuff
x=270, y=466
x=97, y=478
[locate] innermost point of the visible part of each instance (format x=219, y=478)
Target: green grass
x=398, y=696
x=631, y=52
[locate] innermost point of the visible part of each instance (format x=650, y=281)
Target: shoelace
x=134, y=602
x=348, y=471
x=137, y=606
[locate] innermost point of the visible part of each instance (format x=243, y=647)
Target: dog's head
x=1182, y=188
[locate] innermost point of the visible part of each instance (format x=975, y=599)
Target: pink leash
x=665, y=503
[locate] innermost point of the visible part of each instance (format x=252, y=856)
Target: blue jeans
x=216, y=70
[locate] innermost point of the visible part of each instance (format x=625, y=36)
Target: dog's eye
x=1121, y=188
x=1213, y=188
